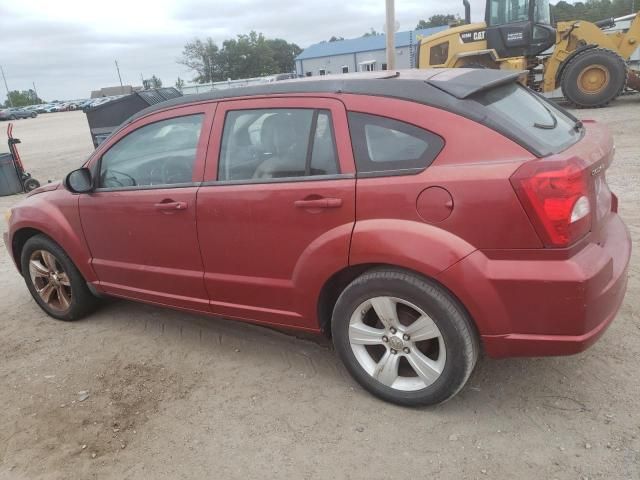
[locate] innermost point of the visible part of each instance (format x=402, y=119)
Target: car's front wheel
x=404, y=338
x=54, y=281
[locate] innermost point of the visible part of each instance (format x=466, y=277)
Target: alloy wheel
x=397, y=343
x=50, y=280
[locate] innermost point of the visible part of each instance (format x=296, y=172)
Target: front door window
x=161, y=153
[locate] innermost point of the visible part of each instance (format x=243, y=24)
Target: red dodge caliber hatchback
x=416, y=217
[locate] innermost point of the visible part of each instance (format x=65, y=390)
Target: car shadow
x=517, y=383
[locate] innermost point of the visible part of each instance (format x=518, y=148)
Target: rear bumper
x=541, y=303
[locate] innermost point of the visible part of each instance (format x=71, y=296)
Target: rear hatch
x=564, y=191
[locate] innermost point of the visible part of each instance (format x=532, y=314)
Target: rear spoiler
x=464, y=82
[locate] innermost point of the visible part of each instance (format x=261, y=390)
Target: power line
x=118, y=69
x=6, y=86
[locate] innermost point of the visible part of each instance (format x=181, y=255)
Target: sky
x=68, y=47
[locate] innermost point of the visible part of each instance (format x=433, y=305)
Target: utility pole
x=6, y=86
x=391, y=34
x=118, y=69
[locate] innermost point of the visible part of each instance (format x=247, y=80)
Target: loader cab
x=517, y=28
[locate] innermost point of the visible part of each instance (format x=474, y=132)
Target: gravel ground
x=139, y=392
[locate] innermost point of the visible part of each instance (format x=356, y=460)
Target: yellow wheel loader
x=588, y=63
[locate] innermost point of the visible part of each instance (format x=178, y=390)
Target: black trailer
x=105, y=118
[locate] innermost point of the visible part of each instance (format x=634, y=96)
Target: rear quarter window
x=385, y=146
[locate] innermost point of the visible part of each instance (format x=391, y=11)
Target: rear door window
x=383, y=145
x=268, y=144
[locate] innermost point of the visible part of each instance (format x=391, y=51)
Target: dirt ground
x=172, y=395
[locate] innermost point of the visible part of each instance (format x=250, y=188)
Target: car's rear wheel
x=404, y=338
x=54, y=281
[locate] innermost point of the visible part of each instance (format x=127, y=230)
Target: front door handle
x=319, y=203
x=170, y=206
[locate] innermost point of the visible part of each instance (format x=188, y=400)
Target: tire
x=12, y=117
x=31, y=184
x=68, y=280
x=453, y=352
x=593, y=78
x=33, y=115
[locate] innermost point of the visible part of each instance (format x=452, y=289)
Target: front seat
x=280, y=140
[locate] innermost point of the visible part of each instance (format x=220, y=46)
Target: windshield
x=508, y=11
x=531, y=117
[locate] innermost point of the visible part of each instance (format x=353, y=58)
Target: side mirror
x=79, y=181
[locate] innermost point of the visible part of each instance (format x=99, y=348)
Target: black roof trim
x=432, y=87
x=413, y=85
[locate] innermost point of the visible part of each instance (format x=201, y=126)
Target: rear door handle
x=319, y=203
x=169, y=206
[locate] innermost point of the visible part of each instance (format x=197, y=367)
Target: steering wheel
x=115, y=179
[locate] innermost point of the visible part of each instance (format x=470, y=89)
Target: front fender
x=416, y=246
x=56, y=215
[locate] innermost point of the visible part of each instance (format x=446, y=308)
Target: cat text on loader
x=589, y=64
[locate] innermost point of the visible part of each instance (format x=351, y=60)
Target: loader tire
x=593, y=78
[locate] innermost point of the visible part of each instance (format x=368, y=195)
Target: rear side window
x=384, y=145
x=530, y=117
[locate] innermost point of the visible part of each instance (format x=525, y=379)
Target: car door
x=277, y=208
x=140, y=221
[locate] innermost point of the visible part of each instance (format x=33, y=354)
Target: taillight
x=557, y=198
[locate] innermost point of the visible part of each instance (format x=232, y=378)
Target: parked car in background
x=16, y=113
x=5, y=114
x=25, y=113
x=49, y=108
x=360, y=206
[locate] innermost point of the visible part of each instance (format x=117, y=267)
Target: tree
x=438, y=21
x=201, y=56
x=179, y=84
x=371, y=33
x=153, y=82
x=245, y=56
x=23, y=98
x=284, y=54
x=591, y=10
x=156, y=82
